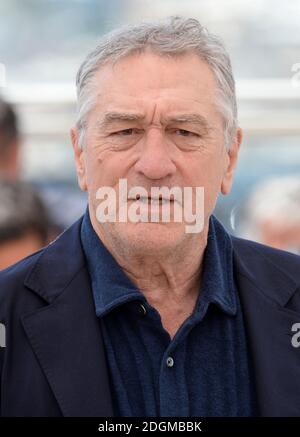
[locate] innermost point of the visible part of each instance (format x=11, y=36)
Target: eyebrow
x=115, y=116
x=193, y=118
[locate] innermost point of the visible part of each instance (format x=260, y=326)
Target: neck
x=169, y=281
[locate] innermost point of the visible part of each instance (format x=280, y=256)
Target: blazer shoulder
x=259, y=257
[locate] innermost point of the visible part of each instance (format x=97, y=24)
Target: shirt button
x=170, y=362
x=142, y=310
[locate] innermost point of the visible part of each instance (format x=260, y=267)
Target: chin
x=150, y=237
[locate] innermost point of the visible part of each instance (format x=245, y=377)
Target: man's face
x=155, y=123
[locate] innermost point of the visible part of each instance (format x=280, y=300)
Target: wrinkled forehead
x=149, y=72
x=140, y=79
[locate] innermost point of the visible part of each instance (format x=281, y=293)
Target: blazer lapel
x=268, y=324
x=65, y=335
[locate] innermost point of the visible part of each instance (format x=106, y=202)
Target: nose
x=155, y=161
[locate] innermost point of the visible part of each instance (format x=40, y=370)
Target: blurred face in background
x=281, y=234
x=155, y=123
x=9, y=159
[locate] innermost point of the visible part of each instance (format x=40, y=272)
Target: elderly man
x=133, y=315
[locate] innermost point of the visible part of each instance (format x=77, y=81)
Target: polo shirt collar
x=110, y=285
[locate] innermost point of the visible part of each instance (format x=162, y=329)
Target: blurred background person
x=272, y=214
x=24, y=222
x=9, y=142
x=62, y=203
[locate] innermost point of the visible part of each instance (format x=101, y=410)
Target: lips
x=153, y=200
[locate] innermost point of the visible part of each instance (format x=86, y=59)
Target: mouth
x=149, y=200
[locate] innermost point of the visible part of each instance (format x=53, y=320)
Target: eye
x=185, y=133
x=126, y=132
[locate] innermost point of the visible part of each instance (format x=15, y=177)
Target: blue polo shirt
x=204, y=370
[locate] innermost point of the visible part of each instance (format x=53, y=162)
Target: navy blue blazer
x=54, y=360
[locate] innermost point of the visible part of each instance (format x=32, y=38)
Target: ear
x=232, y=157
x=79, y=155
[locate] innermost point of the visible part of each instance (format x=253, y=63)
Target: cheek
x=205, y=170
x=105, y=168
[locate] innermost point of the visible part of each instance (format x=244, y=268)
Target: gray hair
x=171, y=37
